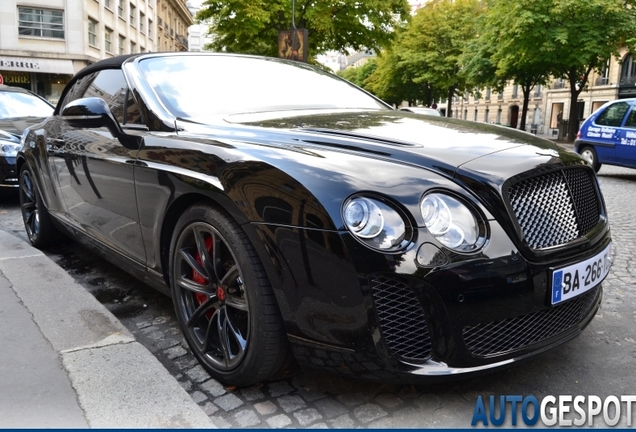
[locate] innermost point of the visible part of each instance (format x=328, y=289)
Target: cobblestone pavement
x=601, y=361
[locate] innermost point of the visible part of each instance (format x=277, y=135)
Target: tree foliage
x=564, y=38
x=251, y=26
x=434, y=41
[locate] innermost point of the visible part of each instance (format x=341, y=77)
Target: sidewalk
x=67, y=362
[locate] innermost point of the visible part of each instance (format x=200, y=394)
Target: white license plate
x=571, y=281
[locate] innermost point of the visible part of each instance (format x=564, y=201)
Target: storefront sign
x=24, y=64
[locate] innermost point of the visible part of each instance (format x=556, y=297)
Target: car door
x=626, y=141
x=603, y=131
x=95, y=170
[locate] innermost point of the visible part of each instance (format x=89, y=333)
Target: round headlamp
x=451, y=222
x=376, y=223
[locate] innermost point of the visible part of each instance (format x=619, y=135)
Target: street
x=599, y=362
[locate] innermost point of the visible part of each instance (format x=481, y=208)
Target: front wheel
x=223, y=300
x=37, y=222
x=589, y=154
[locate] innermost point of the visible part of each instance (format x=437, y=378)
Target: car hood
x=442, y=144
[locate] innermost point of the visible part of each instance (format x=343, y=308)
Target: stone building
x=549, y=106
x=44, y=42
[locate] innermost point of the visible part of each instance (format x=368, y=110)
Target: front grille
x=557, y=207
x=500, y=337
x=401, y=319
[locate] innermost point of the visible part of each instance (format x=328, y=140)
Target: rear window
x=613, y=114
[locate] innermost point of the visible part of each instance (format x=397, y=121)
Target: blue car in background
x=609, y=135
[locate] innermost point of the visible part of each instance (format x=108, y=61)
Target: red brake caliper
x=200, y=279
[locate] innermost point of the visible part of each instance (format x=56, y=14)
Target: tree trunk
x=573, y=118
x=526, y=100
x=449, y=102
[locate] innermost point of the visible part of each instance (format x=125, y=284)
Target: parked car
x=288, y=212
x=19, y=108
x=422, y=110
x=608, y=136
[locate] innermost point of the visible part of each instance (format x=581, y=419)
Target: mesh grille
x=499, y=337
x=401, y=319
x=555, y=208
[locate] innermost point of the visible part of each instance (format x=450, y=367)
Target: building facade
x=44, y=42
x=549, y=106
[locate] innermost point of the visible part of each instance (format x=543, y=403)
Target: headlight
x=452, y=223
x=376, y=223
x=9, y=149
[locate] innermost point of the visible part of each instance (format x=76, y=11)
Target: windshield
x=197, y=87
x=14, y=104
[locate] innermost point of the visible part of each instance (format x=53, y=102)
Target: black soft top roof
x=109, y=63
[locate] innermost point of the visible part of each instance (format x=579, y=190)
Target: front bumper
x=371, y=318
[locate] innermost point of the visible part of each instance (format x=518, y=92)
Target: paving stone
x=310, y=394
x=389, y=400
x=209, y=408
x=307, y=416
x=143, y=324
x=318, y=426
x=331, y=408
x=175, y=352
x=185, y=362
x=265, y=408
x=228, y=402
x=252, y=394
x=167, y=343
x=213, y=387
x=198, y=397
x=161, y=320
x=343, y=422
x=278, y=421
x=187, y=385
x=197, y=374
x=353, y=399
x=279, y=388
x=246, y=418
x=369, y=412
x=291, y=403
x=220, y=422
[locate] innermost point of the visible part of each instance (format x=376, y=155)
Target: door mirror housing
x=91, y=112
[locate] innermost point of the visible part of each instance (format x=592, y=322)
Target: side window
x=631, y=119
x=613, y=115
x=110, y=85
x=78, y=89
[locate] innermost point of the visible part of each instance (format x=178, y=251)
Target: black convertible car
x=288, y=212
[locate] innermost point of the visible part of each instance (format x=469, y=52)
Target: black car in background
x=19, y=108
x=288, y=212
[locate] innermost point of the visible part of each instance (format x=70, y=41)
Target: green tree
x=360, y=75
x=251, y=26
x=565, y=38
x=393, y=79
x=435, y=40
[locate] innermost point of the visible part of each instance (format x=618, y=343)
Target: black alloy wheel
x=223, y=300
x=37, y=222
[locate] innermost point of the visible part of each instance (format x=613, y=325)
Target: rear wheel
x=589, y=154
x=37, y=222
x=223, y=299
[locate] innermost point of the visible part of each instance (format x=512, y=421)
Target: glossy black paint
x=284, y=180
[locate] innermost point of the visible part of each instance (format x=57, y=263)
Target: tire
x=223, y=300
x=589, y=154
x=37, y=221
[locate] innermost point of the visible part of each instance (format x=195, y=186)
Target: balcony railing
x=600, y=81
x=558, y=84
x=628, y=81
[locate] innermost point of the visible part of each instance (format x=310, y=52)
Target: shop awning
x=30, y=64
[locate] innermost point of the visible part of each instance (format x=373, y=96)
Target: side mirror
x=91, y=112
